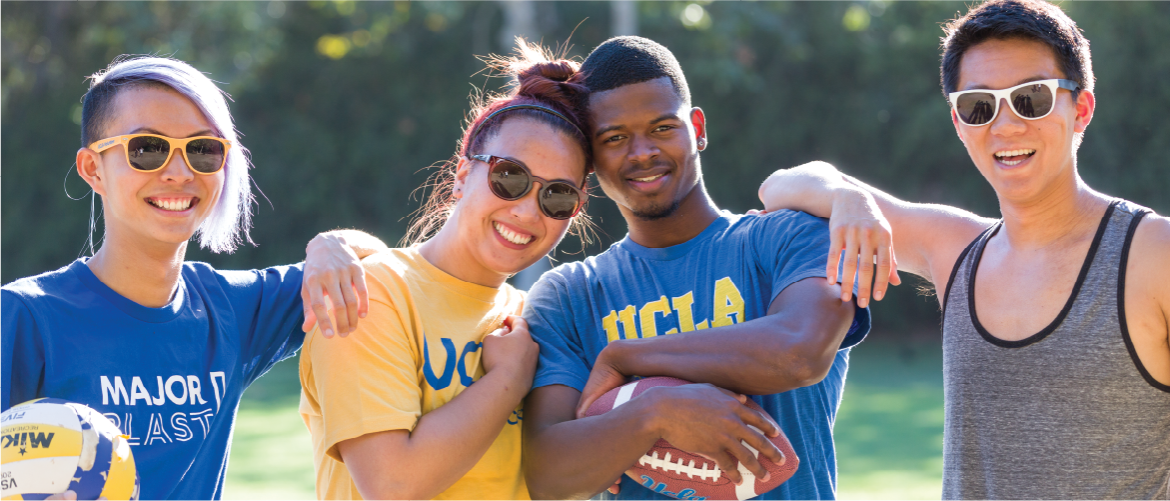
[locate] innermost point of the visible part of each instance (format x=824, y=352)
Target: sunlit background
x=345, y=104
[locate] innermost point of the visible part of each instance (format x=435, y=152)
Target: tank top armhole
x=955, y=269
x=1123, y=266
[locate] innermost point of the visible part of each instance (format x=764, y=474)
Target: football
x=683, y=475
x=50, y=446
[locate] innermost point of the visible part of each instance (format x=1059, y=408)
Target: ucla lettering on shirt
x=728, y=309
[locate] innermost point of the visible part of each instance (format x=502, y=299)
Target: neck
x=1067, y=210
x=695, y=212
x=447, y=252
x=144, y=272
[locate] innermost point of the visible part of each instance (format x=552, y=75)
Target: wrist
x=614, y=355
x=845, y=196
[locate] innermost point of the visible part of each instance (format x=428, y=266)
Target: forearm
x=810, y=188
x=578, y=458
x=362, y=243
x=761, y=359
x=445, y=444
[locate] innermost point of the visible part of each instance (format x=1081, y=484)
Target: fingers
x=516, y=322
x=351, y=308
x=848, y=275
x=740, y=397
x=865, y=271
x=340, y=315
x=883, y=274
x=616, y=488
x=70, y=495
x=748, y=459
x=836, y=241
x=363, y=295
x=728, y=464
x=320, y=311
x=894, y=278
x=310, y=318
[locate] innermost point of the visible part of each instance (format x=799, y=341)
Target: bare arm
x=333, y=268
x=1147, y=296
x=929, y=237
x=447, y=442
x=792, y=346
x=566, y=458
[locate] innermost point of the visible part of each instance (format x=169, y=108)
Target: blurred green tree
x=343, y=104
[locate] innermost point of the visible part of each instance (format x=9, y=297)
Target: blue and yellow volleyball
x=51, y=445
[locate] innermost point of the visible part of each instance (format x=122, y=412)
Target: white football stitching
x=666, y=464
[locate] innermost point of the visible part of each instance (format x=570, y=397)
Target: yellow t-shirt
x=419, y=346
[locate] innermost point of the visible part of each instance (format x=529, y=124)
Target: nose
x=527, y=209
x=176, y=169
x=642, y=150
x=1007, y=123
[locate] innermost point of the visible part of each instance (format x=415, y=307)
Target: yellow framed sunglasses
x=150, y=152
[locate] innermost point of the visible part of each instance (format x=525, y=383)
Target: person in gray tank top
x=1056, y=318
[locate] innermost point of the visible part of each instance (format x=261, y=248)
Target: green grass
x=888, y=431
x=889, y=428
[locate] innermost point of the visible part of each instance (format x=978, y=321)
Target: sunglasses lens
x=1033, y=101
x=975, y=108
x=205, y=155
x=559, y=200
x=148, y=153
x=509, y=181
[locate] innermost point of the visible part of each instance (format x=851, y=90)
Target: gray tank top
x=1069, y=412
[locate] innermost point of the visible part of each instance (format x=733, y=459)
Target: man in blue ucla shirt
x=739, y=302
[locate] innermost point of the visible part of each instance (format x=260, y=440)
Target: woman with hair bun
x=392, y=412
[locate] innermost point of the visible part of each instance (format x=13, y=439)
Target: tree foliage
x=345, y=104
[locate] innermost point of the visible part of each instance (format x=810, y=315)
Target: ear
x=462, y=170
x=88, y=163
x=699, y=120
x=1086, y=104
x=958, y=126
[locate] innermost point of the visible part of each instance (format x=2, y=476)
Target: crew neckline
x=81, y=270
x=453, y=283
x=677, y=251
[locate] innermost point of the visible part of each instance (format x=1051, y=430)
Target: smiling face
x=645, y=147
x=1024, y=160
x=503, y=237
x=161, y=207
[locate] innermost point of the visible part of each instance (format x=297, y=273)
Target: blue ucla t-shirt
x=729, y=273
x=170, y=378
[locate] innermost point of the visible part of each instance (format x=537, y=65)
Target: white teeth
x=648, y=179
x=1013, y=153
x=176, y=204
x=512, y=236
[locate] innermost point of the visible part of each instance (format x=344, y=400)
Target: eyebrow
x=668, y=116
x=204, y=132
x=1032, y=78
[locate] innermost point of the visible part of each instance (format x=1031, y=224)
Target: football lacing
x=666, y=464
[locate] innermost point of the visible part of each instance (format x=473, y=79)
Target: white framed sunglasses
x=1030, y=101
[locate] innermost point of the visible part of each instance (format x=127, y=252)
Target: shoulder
x=203, y=273
x=41, y=291
x=1148, y=251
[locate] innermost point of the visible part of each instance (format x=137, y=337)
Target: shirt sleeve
x=366, y=382
x=23, y=369
x=549, y=315
x=796, y=246
x=269, y=314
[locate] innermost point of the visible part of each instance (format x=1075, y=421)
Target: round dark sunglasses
x=511, y=180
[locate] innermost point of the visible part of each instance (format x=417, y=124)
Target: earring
x=702, y=143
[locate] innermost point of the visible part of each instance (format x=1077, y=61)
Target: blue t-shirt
x=729, y=273
x=170, y=378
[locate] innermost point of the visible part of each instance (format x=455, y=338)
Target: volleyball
x=51, y=445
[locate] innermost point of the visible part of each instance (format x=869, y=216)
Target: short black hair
x=1025, y=19
x=629, y=60
x=97, y=105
